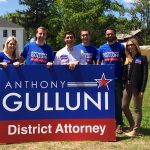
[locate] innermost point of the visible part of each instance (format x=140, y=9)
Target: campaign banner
x=57, y=104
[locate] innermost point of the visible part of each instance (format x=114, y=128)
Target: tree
x=59, y=16
x=123, y=25
x=75, y=15
x=140, y=12
x=34, y=15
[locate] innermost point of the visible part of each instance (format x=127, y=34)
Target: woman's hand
x=4, y=64
x=141, y=94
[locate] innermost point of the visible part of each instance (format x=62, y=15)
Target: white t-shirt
x=65, y=56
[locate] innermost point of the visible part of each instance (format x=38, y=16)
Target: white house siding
x=19, y=36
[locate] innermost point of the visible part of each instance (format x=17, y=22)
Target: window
x=4, y=33
x=14, y=33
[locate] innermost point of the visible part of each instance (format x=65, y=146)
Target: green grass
x=141, y=142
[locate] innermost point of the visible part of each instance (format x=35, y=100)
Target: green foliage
x=140, y=12
x=62, y=15
x=75, y=15
x=34, y=15
x=123, y=25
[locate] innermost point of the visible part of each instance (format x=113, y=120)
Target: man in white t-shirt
x=70, y=55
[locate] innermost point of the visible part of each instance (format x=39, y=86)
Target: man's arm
x=99, y=62
x=73, y=64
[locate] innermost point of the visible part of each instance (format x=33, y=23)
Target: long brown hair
x=135, y=42
x=129, y=58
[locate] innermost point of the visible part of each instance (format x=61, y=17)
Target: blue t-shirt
x=36, y=54
x=113, y=54
x=5, y=58
x=90, y=53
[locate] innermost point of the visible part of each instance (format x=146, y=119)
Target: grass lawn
x=141, y=142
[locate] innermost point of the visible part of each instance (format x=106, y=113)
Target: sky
x=9, y=6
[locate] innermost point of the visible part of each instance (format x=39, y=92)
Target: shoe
x=131, y=133
x=130, y=128
x=119, y=129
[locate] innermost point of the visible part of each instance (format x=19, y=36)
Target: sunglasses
x=129, y=44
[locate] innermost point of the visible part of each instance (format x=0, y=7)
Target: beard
x=111, y=39
x=41, y=39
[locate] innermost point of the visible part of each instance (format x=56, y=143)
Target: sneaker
x=119, y=129
x=131, y=133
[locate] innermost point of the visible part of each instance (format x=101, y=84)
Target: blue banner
x=35, y=92
x=56, y=96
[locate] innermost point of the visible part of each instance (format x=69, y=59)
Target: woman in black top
x=135, y=76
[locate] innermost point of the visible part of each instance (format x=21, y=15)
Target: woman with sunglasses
x=10, y=52
x=135, y=75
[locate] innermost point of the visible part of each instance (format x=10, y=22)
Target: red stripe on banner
x=14, y=131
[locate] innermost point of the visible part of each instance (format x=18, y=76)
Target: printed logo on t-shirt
x=111, y=56
x=39, y=57
x=64, y=59
x=88, y=57
x=6, y=60
x=138, y=61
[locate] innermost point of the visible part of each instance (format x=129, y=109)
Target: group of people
x=131, y=67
